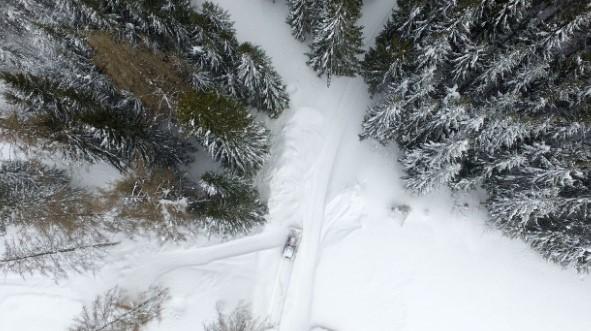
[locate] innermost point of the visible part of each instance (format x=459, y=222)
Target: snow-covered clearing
x=360, y=267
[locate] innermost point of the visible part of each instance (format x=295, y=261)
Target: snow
x=360, y=265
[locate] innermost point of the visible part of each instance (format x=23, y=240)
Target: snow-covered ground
x=361, y=266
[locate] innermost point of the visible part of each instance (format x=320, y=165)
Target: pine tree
x=152, y=201
x=230, y=205
x=204, y=38
x=116, y=310
x=493, y=94
x=167, y=203
x=135, y=83
x=214, y=47
x=84, y=124
x=228, y=132
x=261, y=81
x=433, y=164
x=337, y=40
x=387, y=61
x=301, y=17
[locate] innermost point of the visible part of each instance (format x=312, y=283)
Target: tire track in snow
x=170, y=261
x=305, y=155
x=299, y=298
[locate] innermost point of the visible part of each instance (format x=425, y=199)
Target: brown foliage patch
x=156, y=78
x=149, y=200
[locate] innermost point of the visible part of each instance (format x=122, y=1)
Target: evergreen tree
x=493, y=94
x=86, y=124
x=387, y=61
x=214, y=47
x=433, y=164
x=301, y=17
x=224, y=127
x=337, y=40
x=205, y=38
x=134, y=83
x=229, y=205
x=261, y=81
x=167, y=203
x=153, y=201
x=336, y=37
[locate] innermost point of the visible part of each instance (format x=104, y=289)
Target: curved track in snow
x=173, y=260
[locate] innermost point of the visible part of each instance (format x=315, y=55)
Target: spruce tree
x=228, y=132
x=337, y=40
x=229, y=205
x=336, y=37
x=168, y=203
x=494, y=95
x=85, y=124
x=152, y=201
x=387, y=61
x=261, y=81
x=301, y=17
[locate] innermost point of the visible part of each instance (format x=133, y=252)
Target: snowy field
x=361, y=266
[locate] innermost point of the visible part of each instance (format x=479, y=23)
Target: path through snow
x=305, y=155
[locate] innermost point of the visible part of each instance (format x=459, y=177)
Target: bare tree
x=53, y=252
x=34, y=194
x=239, y=319
x=117, y=311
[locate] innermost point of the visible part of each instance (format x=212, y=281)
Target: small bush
x=240, y=319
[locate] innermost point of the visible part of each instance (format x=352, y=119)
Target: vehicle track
x=300, y=293
x=305, y=158
x=170, y=261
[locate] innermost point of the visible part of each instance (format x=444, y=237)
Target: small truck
x=291, y=244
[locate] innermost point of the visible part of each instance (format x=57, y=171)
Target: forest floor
x=360, y=266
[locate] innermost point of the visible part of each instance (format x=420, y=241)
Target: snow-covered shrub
x=239, y=319
x=117, y=310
